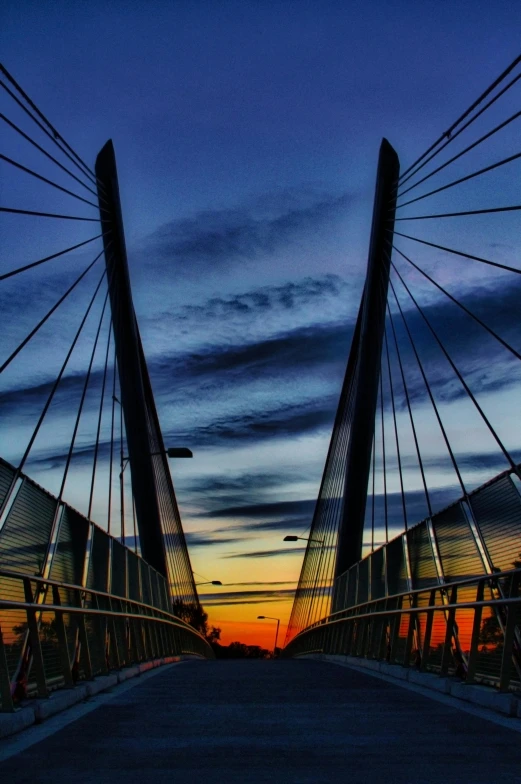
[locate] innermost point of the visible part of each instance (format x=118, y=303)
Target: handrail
x=412, y=592
x=84, y=589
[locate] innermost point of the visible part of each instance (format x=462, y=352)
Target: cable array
x=445, y=419
x=60, y=370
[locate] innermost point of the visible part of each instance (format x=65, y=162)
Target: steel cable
x=460, y=305
x=60, y=374
x=448, y=133
x=48, y=315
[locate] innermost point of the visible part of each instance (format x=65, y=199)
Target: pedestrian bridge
x=402, y=660
x=260, y=721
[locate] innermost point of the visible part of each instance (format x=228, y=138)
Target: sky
x=246, y=137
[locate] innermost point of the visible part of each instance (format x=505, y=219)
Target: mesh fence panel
x=24, y=538
x=497, y=509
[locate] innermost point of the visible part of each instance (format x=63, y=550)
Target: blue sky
x=246, y=137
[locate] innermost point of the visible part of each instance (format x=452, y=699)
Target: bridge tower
x=360, y=389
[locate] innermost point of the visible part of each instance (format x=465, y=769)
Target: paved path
x=265, y=722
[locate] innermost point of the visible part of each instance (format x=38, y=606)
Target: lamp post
x=210, y=582
x=321, y=542
x=270, y=618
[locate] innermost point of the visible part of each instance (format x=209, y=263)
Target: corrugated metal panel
x=351, y=586
x=396, y=567
x=340, y=592
x=69, y=557
x=421, y=557
x=377, y=561
x=363, y=582
x=118, y=584
x=97, y=578
x=24, y=538
x=497, y=509
x=134, y=591
x=163, y=596
x=6, y=477
x=155, y=590
x=145, y=582
x=459, y=553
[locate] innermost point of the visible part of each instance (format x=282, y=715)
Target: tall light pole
x=321, y=542
x=270, y=618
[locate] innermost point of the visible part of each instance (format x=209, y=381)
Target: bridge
x=407, y=614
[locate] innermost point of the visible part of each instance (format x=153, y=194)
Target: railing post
x=368, y=353
x=83, y=639
x=509, y=631
x=394, y=635
x=62, y=639
x=5, y=683
x=476, y=629
x=428, y=633
x=449, y=633
x=34, y=639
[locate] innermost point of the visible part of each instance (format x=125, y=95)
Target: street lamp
x=270, y=618
x=321, y=542
x=211, y=582
x=290, y=538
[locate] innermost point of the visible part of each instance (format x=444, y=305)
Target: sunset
x=260, y=454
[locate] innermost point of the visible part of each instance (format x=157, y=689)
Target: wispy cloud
x=268, y=553
x=223, y=237
x=246, y=597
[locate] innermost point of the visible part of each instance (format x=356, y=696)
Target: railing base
x=482, y=696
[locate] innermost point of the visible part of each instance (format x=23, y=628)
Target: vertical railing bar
x=476, y=629
x=62, y=639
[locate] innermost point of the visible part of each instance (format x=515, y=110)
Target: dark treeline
x=238, y=650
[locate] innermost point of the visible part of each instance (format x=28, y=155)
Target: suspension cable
x=383, y=457
x=46, y=132
x=47, y=181
x=467, y=177
x=488, y=211
x=411, y=418
x=462, y=153
x=455, y=369
x=372, y=499
x=47, y=214
x=82, y=400
x=448, y=133
x=460, y=305
x=48, y=315
x=47, y=258
x=98, y=430
x=48, y=154
x=33, y=106
x=395, y=428
x=109, y=514
x=60, y=374
x=459, y=253
x=454, y=136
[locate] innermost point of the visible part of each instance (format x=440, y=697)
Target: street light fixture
x=211, y=582
x=321, y=542
x=270, y=618
x=291, y=538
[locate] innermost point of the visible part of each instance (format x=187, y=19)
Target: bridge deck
x=263, y=721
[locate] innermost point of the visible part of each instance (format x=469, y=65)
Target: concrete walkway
x=287, y=722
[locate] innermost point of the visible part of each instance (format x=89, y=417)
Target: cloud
x=217, y=238
x=290, y=296
x=268, y=553
x=270, y=509
x=246, y=597
x=207, y=539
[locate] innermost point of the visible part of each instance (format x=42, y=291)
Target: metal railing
x=53, y=634
x=469, y=629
